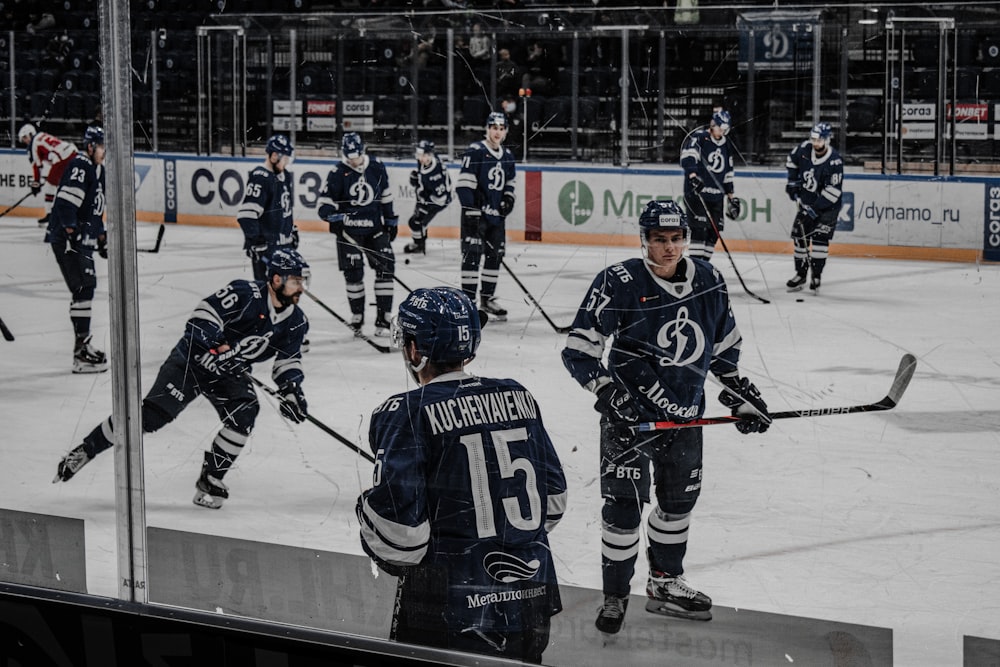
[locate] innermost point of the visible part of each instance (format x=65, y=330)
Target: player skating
x=265, y=216
x=432, y=187
x=357, y=202
x=244, y=323
x=672, y=324
x=815, y=183
x=485, y=188
x=466, y=487
x=49, y=156
x=707, y=160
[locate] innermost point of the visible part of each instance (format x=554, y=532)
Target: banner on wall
x=781, y=40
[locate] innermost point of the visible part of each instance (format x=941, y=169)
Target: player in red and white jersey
x=49, y=156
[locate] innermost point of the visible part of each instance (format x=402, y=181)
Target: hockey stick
x=726, y=248
x=6, y=332
x=323, y=427
x=365, y=251
x=907, y=365
x=159, y=239
x=16, y=204
x=357, y=334
x=535, y=303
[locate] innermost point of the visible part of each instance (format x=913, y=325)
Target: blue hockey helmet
x=666, y=214
x=425, y=146
x=279, y=144
x=496, y=118
x=286, y=262
x=443, y=323
x=822, y=131
x=352, y=146
x=94, y=134
x=723, y=120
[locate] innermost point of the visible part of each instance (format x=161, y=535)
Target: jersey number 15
x=480, y=482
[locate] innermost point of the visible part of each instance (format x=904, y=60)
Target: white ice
x=887, y=519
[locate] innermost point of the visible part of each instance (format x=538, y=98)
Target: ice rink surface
x=888, y=519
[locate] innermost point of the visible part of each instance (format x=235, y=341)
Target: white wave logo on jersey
x=715, y=161
x=252, y=347
x=507, y=569
x=361, y=193
x=497, y=178
x=682, y=340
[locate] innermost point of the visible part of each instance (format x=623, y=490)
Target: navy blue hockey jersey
x=363, y=194
x=242, y=314
x=485, y=176
x=667, y=336
x=433, y=183
x=712, y=160
x=820, y=179
x=79, y=203
x=267, y=207
x=466, y=479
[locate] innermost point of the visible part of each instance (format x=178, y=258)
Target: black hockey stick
x=365, y=251
x=726, y=248
x=535, y=303
x=907, y=365
x=323, y=427
x=381, y=348
x=159, y=239
x=16, y=204
x=6, y=332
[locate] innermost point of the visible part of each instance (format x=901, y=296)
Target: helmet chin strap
x=414, y=369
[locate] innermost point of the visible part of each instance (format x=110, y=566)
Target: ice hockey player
x=265, y=216
x=815, y=183
x=707, y=160
x=672, y=325
x=357, y=202
x=485, y=188
x=466, y=488
x=244, y=323
x=75, y=230
x=433, y=191
x=49, y=156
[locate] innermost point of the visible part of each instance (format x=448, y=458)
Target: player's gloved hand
x=293, y=402
x=72, y=236
x=230, y=362
x=792, y=190
x=808, y=211
x=823, y=229
x=617, y=404
x=414, y=178
x=336, y=223
x=256, y=248
x=696, y=183
x=384, y=565
x=506, y=204
x=392, y=228
x=36, y=187
x=295, y=237
x=743, y=398
x=102, y=246
x=734, y=208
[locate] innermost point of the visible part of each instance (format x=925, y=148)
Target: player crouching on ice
x=243, y=323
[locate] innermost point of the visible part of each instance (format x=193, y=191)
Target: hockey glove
x=102, y=246
x=615, y=403
x=808, y=211
x=743, y=398
x=336, y=223
x=697, y=185
x=293, y=402
x=392, y=228
x=256, y=248
x=36, y=187
x=734, y=208
x=414, y=178
x=225, y=363
x=792, y=190
x=823, y=229
x=506, y=204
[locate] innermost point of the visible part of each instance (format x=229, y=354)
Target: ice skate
x=357, y=319
x=814, y=284
x=491, y=306
x=672, y=596
x=611, y=615
x=796, y=283
x=381, y=326
x=43, y=222
x=414, y=247
x=71, y=464
x=88, y=359
x=305, y=346
x=209, y=491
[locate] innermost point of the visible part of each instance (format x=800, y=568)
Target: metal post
x=13, y=97
x=450, y=38
x=817, y=82
x=200, y=35
x=414, y=89
x=842, y=108
x=623, y=88
x=293, y=81
x=124, y=311
x=243, y=95
x=751, y=97
x=575, y=97
x=887, y=96
x=942, y=83
x=661, y=99
x=156, y=95
x=902, y=96
x=236, y=85
x=954, y=97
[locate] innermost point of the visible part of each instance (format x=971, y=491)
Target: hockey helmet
x=665, y=214
x=821, y=131
x=26, y=132
x=425, y=146
x=443, y=323
x=352, y=146
x=723, y=120
x=94, y=134
x=279, y=144
x=286, y=262
x=496, y=118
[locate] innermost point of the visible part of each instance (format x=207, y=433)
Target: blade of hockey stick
x=323, y=427
x=907, y=365
x=385, y=349
x=538, y=306
x=15, y=205
x=6, y=332
x=159, y=239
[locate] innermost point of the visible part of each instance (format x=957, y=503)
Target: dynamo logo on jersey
x=576, y=202
x=507, y=569
x=715, y=161
x=361, y=193
x=682, y=340
x=497, y=178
